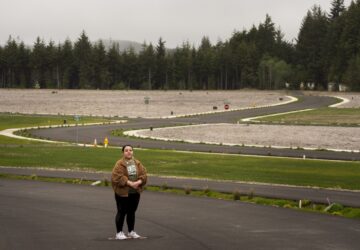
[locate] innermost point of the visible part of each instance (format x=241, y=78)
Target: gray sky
x=146, y=20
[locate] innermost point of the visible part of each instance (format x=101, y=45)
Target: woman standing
x=128, y=179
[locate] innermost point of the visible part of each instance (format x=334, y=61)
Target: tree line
x=327, y=49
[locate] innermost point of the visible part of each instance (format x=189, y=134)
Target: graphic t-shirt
x=132, y=171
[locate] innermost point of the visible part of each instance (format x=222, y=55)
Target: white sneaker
x=120, y=236
x=133, y=235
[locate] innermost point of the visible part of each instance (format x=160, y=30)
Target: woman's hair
x=127, y=145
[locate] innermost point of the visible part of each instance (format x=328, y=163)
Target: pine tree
x=160, y=74
x=99, y=66
x=67, y=66
x=114, y=67
x=39, y=62
x=337, y=8
x=82, y=56
x=2, y=68
x=24, y=67
x=147, y=60
x=265, y=37
x=51, y=65
x=310, y=47
x=129, y=69
x=352, y=75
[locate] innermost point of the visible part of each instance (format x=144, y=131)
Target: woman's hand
x=134, y=184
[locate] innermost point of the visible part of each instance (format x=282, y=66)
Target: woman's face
x=128, y=152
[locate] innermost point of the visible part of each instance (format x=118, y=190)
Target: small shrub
x=306, y=203
x=337, y=213
x=187, y=190
x=287, y=206
x=33, y=177
x=164, y=186
x=75, y=181
x=106, y=182
x=334, y=207
x=206, y=190
x=251, y=194
x=236, y=195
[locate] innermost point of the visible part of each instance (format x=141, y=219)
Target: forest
x=326, y=50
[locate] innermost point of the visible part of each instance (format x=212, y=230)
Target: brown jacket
x=119, y=177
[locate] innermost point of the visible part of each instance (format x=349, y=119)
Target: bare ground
x=131, y=103
x=317, y=137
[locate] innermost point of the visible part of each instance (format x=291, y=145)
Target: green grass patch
x=20, y=121
x=8, y=141
x=118, y=132
x=329, y=174
x=322, y=116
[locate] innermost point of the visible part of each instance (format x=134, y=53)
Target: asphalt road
x=87, y=134
x=39, y=215
x=317, y=195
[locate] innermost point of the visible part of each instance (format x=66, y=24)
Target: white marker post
x=77, y=119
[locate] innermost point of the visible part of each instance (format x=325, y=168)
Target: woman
x=128, y=180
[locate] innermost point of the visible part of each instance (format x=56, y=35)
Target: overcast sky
x=146, y=20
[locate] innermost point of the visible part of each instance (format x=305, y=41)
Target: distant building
x=331, y=86
x=343, y=87
x=302, y=86
x=310, y=85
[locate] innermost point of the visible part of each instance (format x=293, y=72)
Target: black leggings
x=126, y=206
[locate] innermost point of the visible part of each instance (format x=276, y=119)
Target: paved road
x=39, y=215
x=87, y=134
x=319, y=195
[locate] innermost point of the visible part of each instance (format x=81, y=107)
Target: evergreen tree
x=51, y=65
x=147, y=60
x=99, y=67
x=82, y=56
x=265, y=36
x=205, y=61
x=24, y=67
x=130, y=73
x=327, y=49
x=310, y=47
x=352, y=75
x=39, y=63
x=2, y=68
x=69, y=77
x=337, y=8
x=114, y=67
x=160, y=70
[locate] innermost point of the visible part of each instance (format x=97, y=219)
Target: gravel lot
x=130, y=103
x=318, y=137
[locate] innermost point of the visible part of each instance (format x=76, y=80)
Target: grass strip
x=22, y=120
x=306, y=205
x=298, y=172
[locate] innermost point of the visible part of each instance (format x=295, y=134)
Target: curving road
x=87, y=134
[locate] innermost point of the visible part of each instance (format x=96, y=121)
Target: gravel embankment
x=317, y=137
x=131, y=103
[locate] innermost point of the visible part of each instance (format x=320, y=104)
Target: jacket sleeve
x=143, y=174
x=118, y=177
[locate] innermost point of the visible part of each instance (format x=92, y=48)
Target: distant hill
x=123, y=44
